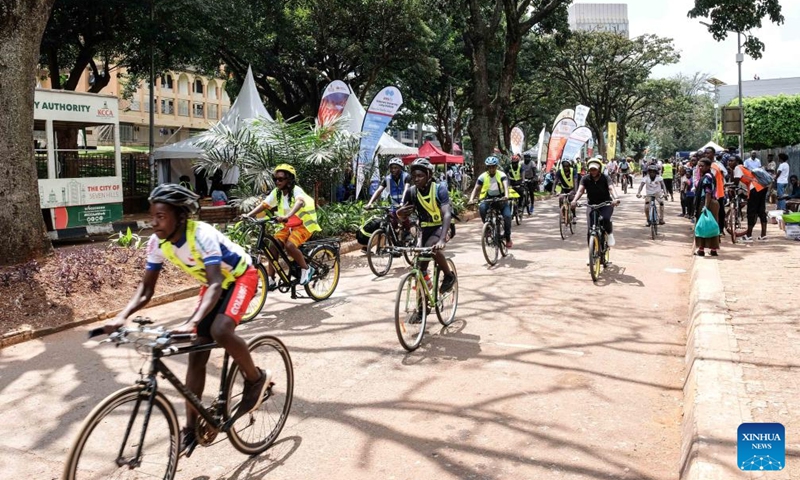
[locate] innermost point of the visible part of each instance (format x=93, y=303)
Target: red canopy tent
x=435, y=155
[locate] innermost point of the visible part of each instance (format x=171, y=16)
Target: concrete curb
x=715, y=400
x=25, y=334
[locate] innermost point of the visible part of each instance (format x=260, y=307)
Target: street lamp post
x=739, y=60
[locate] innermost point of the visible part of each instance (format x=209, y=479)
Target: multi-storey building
x=606, y=17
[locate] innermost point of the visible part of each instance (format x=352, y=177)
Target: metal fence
x=135, y=169
x=792, y=152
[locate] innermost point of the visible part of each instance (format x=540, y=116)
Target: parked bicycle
x=565, y=218
x=415, y=298
x=134, y=432
x=734, y=216
x=381, y=248
x=322, y=255
x=599, y=251
x=493, y=241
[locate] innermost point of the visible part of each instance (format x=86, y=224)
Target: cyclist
x=296, y=209
x=668, y=175
x=493, y=183
x=432, y=203
x=598, y=189
x=515, y=175
x=625, y=170
x=529, y=174
x=655, y=187
x=612, y=169
x=565, y=182
x=397, y=181
x=229, y=282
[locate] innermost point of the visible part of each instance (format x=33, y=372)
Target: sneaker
x=188, y=441
x=611, y=241
x=681, y=215
x=305, y=275
x=762, y=239
x=447, y=283
x=747, y=239
x=415, y=318
x=272, y=285
x=714, y=253
x=253, y=393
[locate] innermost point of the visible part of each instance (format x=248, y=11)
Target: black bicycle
x=381, y=248
x=734, y=215
x=322, y=255
x=134, y=432
x=493, y=236
x=599, y=251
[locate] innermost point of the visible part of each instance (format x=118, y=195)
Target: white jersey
x=653, y=187
x=214, y=249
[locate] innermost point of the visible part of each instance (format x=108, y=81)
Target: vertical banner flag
x=576, y=139
x=517, y=140
x=558, y=140
x=611, y=146
x=590, y=147
x=581, y=112
x=334, y=98
x=540, y=146
x=568, y=113
x=380, y=112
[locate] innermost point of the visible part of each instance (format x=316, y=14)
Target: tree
x=686, y=121
x=494, y=32
x=22, y=23
x=603, y=69
x=738, y=16
x=646, y=105
x=771, y=122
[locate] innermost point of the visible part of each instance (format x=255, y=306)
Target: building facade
x=604, y=17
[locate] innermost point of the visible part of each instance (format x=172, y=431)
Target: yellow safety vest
x=307, y=213
x=198, y=271
x=487, y=183
x=431, y=205
x=515, y=174
x=667, y=171
x=569, y=181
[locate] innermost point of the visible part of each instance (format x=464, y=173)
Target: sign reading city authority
x=75, y=107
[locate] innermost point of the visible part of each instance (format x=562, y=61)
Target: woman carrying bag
x=706, y=232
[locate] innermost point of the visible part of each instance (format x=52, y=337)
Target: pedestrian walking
x=782, y=179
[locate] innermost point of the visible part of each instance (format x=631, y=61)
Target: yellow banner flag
x=611, y=147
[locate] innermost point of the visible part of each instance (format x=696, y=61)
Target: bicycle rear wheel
x=108, y=441
x=325, y=261
x=624, y=185
x=254, y=432
x=447, y=303
x=517, y=213
x=410, y=312
x=379, y=253
x=730, y=224
x=488, y=243
x=595, y=263
x=260, y=297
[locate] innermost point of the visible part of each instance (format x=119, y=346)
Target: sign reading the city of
x=64, y=192
x=761, y=446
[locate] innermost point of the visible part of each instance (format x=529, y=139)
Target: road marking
x=522, y=346
x=674, y=270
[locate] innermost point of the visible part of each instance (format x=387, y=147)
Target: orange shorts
x=296, y=235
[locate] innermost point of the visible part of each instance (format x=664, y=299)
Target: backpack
x=762, y=177
x=363, y=233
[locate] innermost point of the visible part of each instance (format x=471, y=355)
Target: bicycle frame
x=653, y=216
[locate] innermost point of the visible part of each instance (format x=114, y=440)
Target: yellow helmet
x=596, y=162
x=286, y=168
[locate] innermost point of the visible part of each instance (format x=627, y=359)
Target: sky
x=700, y=53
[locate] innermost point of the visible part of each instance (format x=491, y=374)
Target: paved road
x=543, y=375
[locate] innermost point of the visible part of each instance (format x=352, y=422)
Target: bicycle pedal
x=189, y=450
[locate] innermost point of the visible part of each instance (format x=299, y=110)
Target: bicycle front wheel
x=415, y=234
x=379, y=253
x=595, y=262
x=517, y=213
x=325, y=261
x=410, y=312
x=447, y=303
x=256, y=431
x=260, y=297
x=730, y=224
x=489, y=243
x=109, y=445
x=563, y=218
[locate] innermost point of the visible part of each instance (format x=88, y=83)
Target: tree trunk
x=22, y=24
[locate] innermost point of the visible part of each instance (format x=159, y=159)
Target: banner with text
x=517, y=140
x=576, y=139
x=590, y=147
x=558, y=140
x=611, y=146
x=83, y=215
x=581, y=113
x=64, y=192
x=333, y=101
x=544, y=137
x=568, y=113
x=380, y=112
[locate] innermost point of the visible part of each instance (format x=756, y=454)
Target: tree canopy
x=728, y=16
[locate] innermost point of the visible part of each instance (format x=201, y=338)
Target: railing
x=135, y=168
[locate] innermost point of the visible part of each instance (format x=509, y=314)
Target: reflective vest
x=570, y=182
x=307, y=213
x=486, y=183
x=749, y=179
x=667, y=171
x=396, y=189
x=198, y=271
x=719, y=177
x=431, y=205
x=515, y=175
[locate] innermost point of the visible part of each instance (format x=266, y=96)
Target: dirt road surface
x=544, y=375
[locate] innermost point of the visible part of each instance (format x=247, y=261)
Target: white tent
x=247, y=106
x=713, y=145
x=387, y=144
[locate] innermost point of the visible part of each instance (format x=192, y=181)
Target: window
x=147, y=105
x=197, y=87
x=127, y=133
x=213, y=90
x=183, y=85
x=183, y=108
x=212, y=111
x=197, y=110
x=135, y=106
x=166, y=82
x=167, y=107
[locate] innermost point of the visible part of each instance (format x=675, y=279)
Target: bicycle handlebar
x=161, y=337
x=419, y=250
x=599, y=205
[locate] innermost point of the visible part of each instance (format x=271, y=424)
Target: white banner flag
x=581, y=113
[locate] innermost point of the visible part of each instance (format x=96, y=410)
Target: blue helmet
x=492, y=161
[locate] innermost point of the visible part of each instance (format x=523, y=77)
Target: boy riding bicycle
x=229, y=282
x=493, y=183
x=655, y=189
x=296, y=209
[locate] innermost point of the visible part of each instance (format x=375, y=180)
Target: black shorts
x=430, y=232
